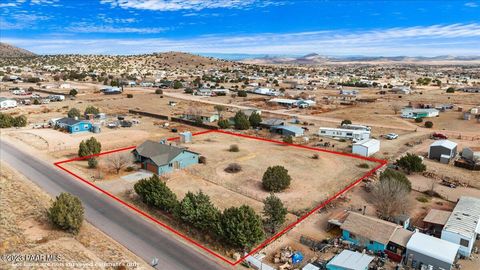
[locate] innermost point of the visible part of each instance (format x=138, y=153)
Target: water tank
x=96, y=129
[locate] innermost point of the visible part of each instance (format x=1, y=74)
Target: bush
x=188, y=91
x=242, y=93
x=92, y=163
x=288, y=139
x=234, y=148
x=418, y=120
x=241, y=121
x=233, y=168
x=224, y=123
x=422, y=199
x=66, y=212
x=73, y=112
x=397, y=176
x=202, y=160
x=91, y=110
x=255, y=119
x=89, y=147
x=346, y=122
x=198, y=211
x=154, y=192
x=129, y=95
x=363, y=165
x=450, y=90
x=316, y=156
x=7, y=121
x=159, y=91
x=429, y=124
x=276, y=179
x=274, y=212
x=411, y=163
x=73, y=92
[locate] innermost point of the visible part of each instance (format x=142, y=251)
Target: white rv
x=351, y=134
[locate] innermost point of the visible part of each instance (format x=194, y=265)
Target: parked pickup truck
x=439, y=136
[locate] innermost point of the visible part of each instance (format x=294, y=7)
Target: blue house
x=161, y=158
x=73, y=125
x=372, y=233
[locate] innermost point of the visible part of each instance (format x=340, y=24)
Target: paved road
x=145, y=239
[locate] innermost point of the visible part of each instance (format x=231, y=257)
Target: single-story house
x=111, y=90
x=471, y=153
x=6, y=103
x=284, y=102
x=470, y=89
x=350, y=260
x=266, y=91
x=72, y=125
x=268, y=123
x=161, y=158
x=203, y=92
x=419, y=113
x=463, y=225
x=355, y=135
x=366, y=147
x=442, y=150
x=220, y=92
x=428, y=251
x=356, y=127
x=286, y=130
x=401, y=89
x=349, y=92
x=435, y=220
x=212, y=117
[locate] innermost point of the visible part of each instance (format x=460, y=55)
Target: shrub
x=255, y=119
x=89, y=147
x=66, y=212
x=73, y=112
x=129, y=95
x=418, y=120
x=429, y=124
x=92, y=163
x=241, y=121
x=411, y=163
x=154, y=192
x=422, y=199
x=234, y=148
x=233, y=168
x=199, y=211
x=224, y=123
x=159, y=91
x=363, y=165
x=276, y=179
x=450, y=90
x=91, y=110
x=396, y=176
x=274, y=212
x=316, y=156
x=242, y=93
x=73, y=92
x=346, y=122
x=19, y=121
x=202, y=160
x=188, y=91
x=288, y=139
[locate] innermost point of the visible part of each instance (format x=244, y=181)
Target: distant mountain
x=314, y=59
x=9, y=51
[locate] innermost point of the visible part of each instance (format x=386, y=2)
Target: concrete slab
x=134, y=177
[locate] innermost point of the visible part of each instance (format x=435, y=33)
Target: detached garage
x=442, y=150
x=366, y=147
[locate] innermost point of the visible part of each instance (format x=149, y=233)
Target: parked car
x=439, y=136
x=391, y=136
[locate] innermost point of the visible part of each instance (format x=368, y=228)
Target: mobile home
x=355, y=135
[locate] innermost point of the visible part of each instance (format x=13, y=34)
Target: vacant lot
x=313, y=180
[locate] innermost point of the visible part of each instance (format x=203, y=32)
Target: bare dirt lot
x=25, y=229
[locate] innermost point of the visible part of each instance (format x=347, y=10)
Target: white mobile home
x=356, y=127
x=366, y=148
x=463, y=225
x=419, y=113
x=6, y=103
x=355, y=135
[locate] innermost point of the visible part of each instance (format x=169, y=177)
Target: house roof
x=159, y=153
x=372, y=228
x=444, y=143
x=293, y=129
x=4, y=98
x=273, y=122
x=465, y=217
x=69, y=121
x=351, y=260
x=401, y=237
x=436, y=216
x=368, y=142
x=433, y=247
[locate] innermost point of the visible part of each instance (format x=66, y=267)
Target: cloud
x=471, y=4
x=175, y=5
x=16, y=3
x=87, y=28
x=455, y=39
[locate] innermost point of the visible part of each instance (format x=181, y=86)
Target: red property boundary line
x=266, y=242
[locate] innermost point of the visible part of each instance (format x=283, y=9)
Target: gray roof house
x=442, y=150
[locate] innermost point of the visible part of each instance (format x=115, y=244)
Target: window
x=464, y=242
x=85, y=126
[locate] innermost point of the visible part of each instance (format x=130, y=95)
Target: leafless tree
x=390, y=197
x=396, y=108
x=117, y=162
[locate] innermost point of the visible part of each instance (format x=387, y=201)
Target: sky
x=273, y=27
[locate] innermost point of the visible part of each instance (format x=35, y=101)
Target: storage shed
x=442, y=147
x=366, y=147
x=425, y=250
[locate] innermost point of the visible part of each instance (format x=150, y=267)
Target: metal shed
x=442, y=147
